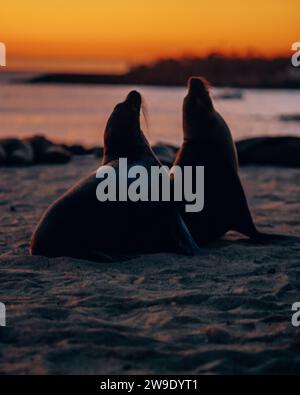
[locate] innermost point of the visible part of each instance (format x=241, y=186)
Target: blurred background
x=69, y=63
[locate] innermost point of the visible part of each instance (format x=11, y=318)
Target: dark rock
x=78, y=149
x=268, y=151
x=17, y=152
x=2, y=155
x=165, y=152
x=290, y=117
x=45, y=151
x=272, y=151
x=56, y=154
x=40, y=145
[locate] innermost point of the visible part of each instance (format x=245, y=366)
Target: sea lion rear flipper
x=244, y=222
x=242, y=219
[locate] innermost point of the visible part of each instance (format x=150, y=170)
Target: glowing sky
x=114, y=32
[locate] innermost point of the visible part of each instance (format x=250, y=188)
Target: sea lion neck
x=134, y=149
x=197, y=120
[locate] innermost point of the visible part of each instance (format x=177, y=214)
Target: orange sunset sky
x=111, y=34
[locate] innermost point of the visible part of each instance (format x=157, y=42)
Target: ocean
x=78, y=114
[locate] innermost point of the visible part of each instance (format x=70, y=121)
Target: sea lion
x=80, y=226
x=208, y=142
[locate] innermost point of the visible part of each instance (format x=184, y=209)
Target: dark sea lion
x=78, y=225
x=208, y=142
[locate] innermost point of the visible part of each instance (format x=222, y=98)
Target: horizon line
x=110, y=66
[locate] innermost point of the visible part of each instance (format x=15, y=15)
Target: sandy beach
x=227, y=311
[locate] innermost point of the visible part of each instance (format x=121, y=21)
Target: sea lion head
x=123, y=136
x=198, y=90
x=197, y=107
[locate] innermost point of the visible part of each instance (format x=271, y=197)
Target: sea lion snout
x=198, y=85
x=198, y=93
x=135, y=99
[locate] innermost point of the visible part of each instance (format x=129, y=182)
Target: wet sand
x=227, y=311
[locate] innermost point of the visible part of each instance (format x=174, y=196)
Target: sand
x=227, y=311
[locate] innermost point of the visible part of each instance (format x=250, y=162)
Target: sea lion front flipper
x=182, y=236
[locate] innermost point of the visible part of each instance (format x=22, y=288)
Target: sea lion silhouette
x=79, y=226
x=208, y=142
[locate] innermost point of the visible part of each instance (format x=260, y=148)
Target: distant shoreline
x=220, y=71
x=117, y=79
